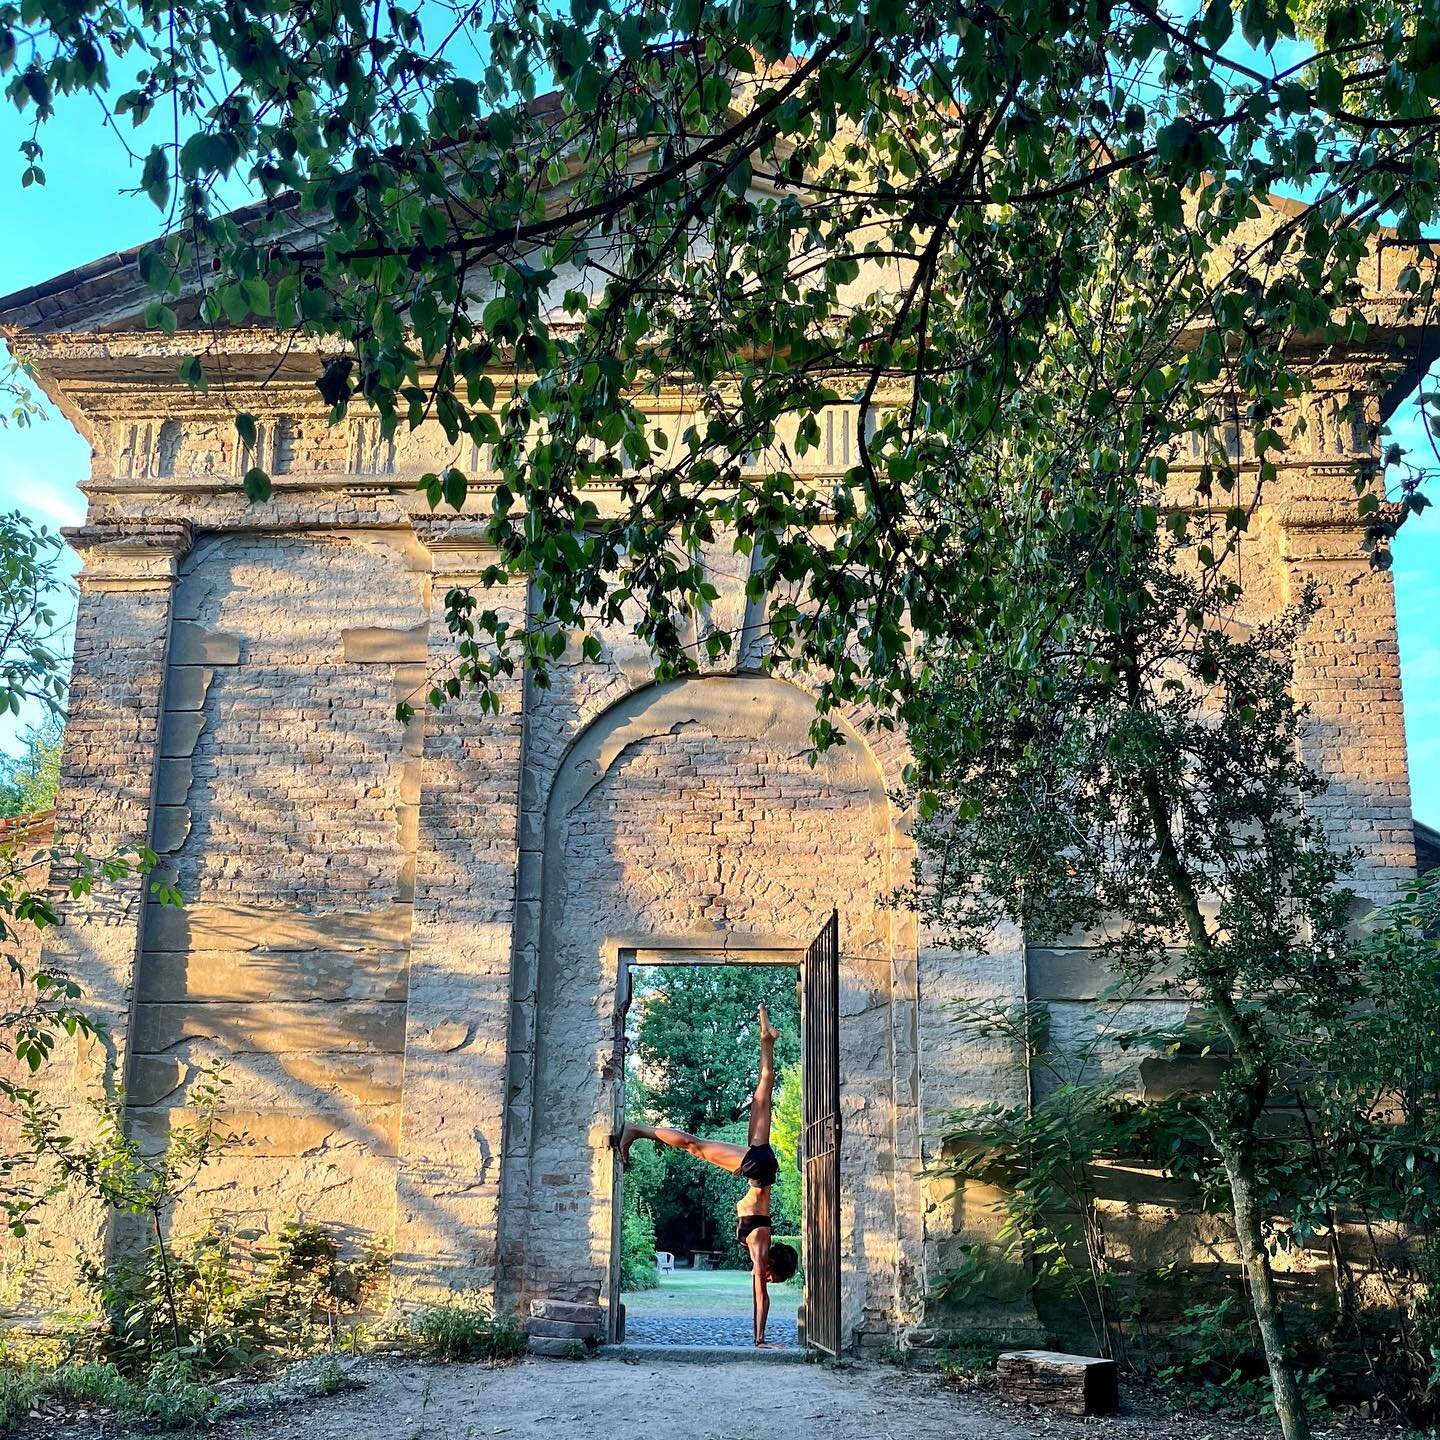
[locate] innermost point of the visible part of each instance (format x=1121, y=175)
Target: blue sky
x=79, y=215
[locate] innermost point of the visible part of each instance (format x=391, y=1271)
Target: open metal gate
x=820, y=1025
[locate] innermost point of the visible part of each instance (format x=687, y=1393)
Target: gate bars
x=820, y=1026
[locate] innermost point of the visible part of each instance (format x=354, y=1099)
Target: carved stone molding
x=130, y=555
x=459, y=549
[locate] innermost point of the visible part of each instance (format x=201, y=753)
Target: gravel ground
x=707, y=1307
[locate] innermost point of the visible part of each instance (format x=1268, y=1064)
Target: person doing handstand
x=773, y=1262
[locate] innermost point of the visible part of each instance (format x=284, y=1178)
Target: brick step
x=554, y=1349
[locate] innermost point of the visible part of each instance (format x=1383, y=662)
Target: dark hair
x=784, y=1262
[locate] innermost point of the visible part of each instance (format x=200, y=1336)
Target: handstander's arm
x=759, y=1254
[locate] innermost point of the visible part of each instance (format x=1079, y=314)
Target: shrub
x=169, y=1396
x=637, y=1249
x=787, y=1200
x=223, y=1299
x=173, y=1398
x=467, y=1330
x=20, y=1387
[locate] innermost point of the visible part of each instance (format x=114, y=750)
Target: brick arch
x=690, y=810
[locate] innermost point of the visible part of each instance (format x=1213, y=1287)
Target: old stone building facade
x=404, y=940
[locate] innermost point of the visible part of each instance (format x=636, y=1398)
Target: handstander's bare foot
x=765, y=1345
x=628, y=1136
x=767, y=1031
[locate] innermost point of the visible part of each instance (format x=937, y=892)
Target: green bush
x=224, y=1299
x=637, y=1248
x=169, y=1395
x=787, y=1200
x=467, y=1330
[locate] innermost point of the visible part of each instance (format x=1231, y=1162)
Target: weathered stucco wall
x=403, y=939
x=285, y=809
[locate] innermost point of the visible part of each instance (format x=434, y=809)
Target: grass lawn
x=709, y=1292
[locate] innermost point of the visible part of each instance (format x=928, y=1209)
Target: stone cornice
x=130, y=555
x=459, y=550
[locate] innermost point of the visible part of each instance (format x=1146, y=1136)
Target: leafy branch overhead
x=522, y=220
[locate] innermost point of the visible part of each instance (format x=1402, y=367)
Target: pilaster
x=104, y=808
x=458, y=1017
x=1347, y=674
x=111, y=749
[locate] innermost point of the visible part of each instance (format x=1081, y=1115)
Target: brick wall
x=692, y=811
x=286, y=813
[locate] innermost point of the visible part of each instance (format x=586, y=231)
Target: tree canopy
x=29, y=780
x=696, y=1043
x=523, y=219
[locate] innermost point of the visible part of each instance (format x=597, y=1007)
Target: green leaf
x=257, y=296
x=205, y=153
x=453, y=488
x=159, y=316
x=155, y=176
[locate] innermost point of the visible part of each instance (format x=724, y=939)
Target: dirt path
x=676, y=1401
x=647, y=1401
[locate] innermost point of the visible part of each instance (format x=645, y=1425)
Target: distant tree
x=695, y=1038
x=29, y=781
x=33, y=666
x=785, y=1136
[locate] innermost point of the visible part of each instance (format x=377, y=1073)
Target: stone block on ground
x=558, y=1349
x=1052, y=1380
x=560, y=1329
x=572, y=1310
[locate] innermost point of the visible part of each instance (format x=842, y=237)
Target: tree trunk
x=1236, y=1147
x=1269, y=1319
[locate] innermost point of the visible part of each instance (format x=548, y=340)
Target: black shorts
x=747, y=1226
x=761, y=1165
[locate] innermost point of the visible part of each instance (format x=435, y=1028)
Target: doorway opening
x=687, y=1028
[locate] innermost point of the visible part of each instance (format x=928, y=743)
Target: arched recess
x=691, y=811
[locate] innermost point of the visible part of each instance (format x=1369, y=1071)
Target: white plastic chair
x=664, y=1262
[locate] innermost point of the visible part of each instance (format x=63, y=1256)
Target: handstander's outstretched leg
x=762, y=1104
x=713, y=1152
